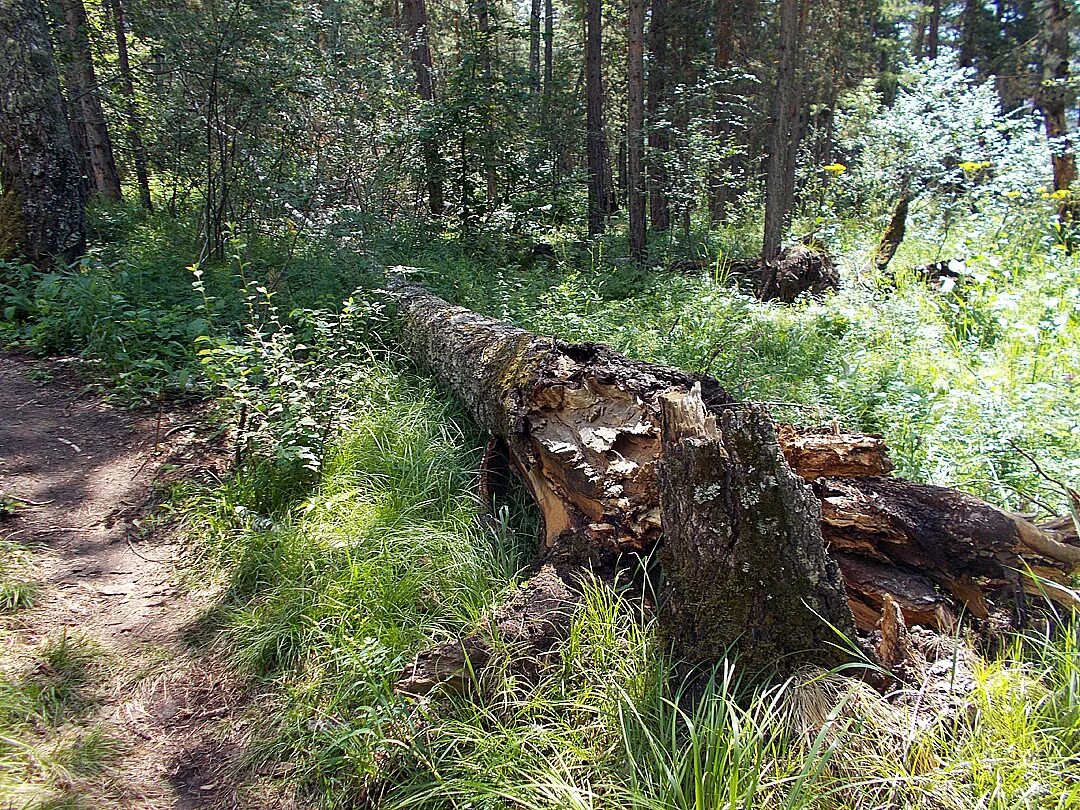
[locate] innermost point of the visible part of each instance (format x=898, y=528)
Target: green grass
x=338, y=570
x=17, y=588
x=52, y=752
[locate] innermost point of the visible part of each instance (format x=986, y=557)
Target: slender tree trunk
x=534, y=45
x=549, y=49
x=968, y=33
x=600, y=204
x=782, y=119
x=42, y=213
x=635, y=119
x=659, y=140
x=89, y=130
x=933, y=33
x=1055, y=99
x=415, y=22
x=483, y=24
x=134, y=121
x=722, y=54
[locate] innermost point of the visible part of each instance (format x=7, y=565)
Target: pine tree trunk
x=1055, y=98
x=42, y=213
x=89, y=130
x=782, y=119
x=534, y=45
x=600, y=203
x=724, y=39
x=635, y=119
x=933, y=34
x=415, y=22
x=968, y=33
x=134, y=120
x=659, y=140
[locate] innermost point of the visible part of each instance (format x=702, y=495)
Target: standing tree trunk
x=722, y=47
x=782, y=119
x=534, y=45
x=415, y=20
x=483, y=24
x=933, y=34
x=134, y=121
x=549, y=50
x=969, y=32
x=635, y=119
x=88, y=127
x=659, y=140
x=600, y=203
x=42, y=213
x=1055, y=99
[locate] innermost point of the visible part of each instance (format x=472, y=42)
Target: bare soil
x=109, y=568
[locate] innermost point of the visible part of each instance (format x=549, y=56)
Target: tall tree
x=659, y=141
x=600, y=194
x=933, y=32
x=43, y=199
x=134, y=120
x=534, y=45
x=782, y=120
x=1055, y=99
x=483, y=24
x=88, y=128
x=723, y=45
x=415, y=21
x=635, y=119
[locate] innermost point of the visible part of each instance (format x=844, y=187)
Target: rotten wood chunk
x=745, y=567
x=869, y=583
x=820, y=453
x=527, y=629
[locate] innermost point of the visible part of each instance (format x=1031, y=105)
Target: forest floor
x=108, y=659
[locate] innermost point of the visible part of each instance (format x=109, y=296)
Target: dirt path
x=86, y=473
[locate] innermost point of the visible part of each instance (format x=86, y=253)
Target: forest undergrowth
x=352, y=534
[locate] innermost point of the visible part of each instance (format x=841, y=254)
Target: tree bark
x=968, y=32
x=781, y=132
x=89, y=130
x=415, y=21
x=621, y=456
x=745, y=566
x=534, y=46
x=659, y=140
x=43, y=194
x=1055, y=98
x=722, y=55
x=635, y=119
x=894, y=231
x=933, y=34
x=600, y=203
x=134, y=120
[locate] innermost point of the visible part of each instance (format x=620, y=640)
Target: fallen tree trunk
x=619, y=453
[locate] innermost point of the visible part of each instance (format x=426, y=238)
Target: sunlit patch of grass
x=17, y=589
x=51, y=755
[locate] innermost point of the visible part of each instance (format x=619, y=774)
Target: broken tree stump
x=745, y=566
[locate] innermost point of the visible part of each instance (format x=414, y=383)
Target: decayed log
x=582, y=427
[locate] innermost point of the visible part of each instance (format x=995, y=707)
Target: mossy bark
x=745, y=566
x=39, y=168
